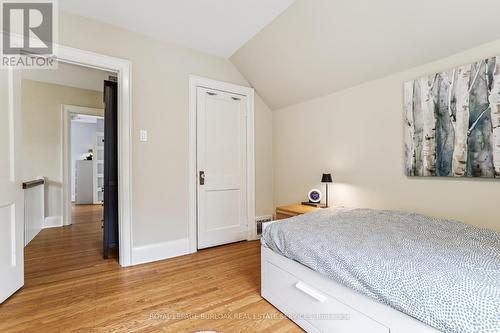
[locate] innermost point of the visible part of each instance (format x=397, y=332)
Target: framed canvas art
x=452, y=122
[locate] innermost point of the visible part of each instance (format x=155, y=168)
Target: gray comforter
x=444, y=273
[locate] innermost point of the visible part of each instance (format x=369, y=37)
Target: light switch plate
x=143, y=136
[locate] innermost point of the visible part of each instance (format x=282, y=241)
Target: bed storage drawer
x=312, y=309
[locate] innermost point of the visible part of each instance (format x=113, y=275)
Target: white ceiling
x=70, y=75
x=218, y=27
x=318, y=47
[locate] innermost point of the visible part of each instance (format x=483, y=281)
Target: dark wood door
x=110, y=167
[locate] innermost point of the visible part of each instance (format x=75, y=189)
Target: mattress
x=441, y=272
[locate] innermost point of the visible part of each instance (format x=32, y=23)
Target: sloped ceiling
x=218, y=27
x=317, y=47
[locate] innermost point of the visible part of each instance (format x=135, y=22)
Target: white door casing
x=222, y=167
x=11, y=193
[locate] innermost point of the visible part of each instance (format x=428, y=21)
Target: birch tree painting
x=452, y=122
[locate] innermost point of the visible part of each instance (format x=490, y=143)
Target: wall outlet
x=143, y=135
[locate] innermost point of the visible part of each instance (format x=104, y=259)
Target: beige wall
x=160, y=105
x=264, y=198
x=358, y=135
x=41, y=124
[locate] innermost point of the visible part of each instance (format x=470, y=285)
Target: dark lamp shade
x=326, y=178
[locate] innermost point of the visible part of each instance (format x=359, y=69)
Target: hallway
x=86, y=213
x=58, y=253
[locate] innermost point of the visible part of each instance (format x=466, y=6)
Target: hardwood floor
x=86, y=213
x=70, y=288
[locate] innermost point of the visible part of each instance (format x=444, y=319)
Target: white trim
x=124, y=70
x=160, y=251
x=66, y=112
x=52, y=222
x=194, y=82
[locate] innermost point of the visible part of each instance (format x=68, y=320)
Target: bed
x=360, y=270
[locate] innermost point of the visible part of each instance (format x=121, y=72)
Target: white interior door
x=221, y=164
x=11, y=194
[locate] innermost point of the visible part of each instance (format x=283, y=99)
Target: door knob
x=202, y=177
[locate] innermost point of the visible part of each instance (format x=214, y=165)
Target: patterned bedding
x=441, y=272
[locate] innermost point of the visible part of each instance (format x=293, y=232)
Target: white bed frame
x=319, y=304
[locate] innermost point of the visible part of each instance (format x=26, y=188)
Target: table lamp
x=326, y=178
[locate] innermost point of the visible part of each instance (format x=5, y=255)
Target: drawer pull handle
x=310, y=291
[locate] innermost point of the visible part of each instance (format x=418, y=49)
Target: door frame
x=123, y=68
x=66, y=112
x=195, y=82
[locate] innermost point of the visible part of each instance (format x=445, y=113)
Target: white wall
x=34, y=212
x=358, y=135
x=82, y=139
x=160, y=97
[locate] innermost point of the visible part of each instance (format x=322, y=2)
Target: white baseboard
x=53, y=222
x=159, y=251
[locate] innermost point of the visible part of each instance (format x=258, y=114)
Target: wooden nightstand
x=284, y=212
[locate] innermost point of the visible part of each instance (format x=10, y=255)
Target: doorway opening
x=86, y=182
x=13, y=206
x=86, y=164
x=80, y=104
